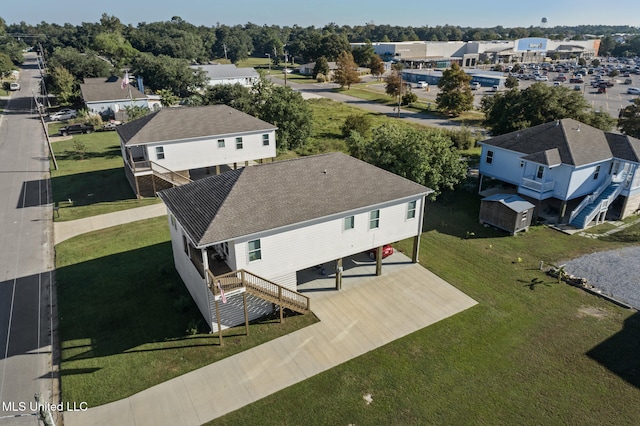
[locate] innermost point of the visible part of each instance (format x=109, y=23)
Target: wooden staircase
x=241, y=280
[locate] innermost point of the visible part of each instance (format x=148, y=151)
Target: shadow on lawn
x=115, y=303
x=92, y=187
x=620, y=353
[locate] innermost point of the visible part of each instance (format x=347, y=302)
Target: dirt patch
x=590, y=311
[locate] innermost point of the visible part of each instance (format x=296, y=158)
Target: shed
x=506, y=211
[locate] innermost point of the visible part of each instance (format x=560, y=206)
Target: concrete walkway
x=64, y=230
x=363, y=316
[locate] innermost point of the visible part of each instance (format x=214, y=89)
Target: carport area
x=354, y=269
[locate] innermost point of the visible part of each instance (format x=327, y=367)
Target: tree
x=538, y=104
x=395, y=86
x=167, y=98
x=80, y=65
x=286, y=109
x=136, y=111
x=321, y=67
x=425, y=157
x=164, y=72
x=511, y=82
x=6, y=66
x=363, y=54
x=455, y=94
x=360, y=123
x=629, y=119
x=234, y=95
x=347, y=71
x=62, y=83
x=376, y=66
x=115, y=47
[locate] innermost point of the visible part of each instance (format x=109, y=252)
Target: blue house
x=573, y=173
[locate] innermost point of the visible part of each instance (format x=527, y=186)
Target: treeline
x=177, y=38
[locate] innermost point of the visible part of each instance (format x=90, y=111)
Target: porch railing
x=537, y=186
x=259, y=287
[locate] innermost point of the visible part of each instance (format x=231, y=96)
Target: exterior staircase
x=242, y=280
x=598, y=204
x=174, y=178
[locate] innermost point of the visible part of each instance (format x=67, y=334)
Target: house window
x=265, y=140
x=255, y=252
x=596, y=173
x=411, y=209
x=540, y=172
x=220, y=143
x=489, y=158
x=239, y=143
x=349, y=222
x=374, y=219
x=160, y=152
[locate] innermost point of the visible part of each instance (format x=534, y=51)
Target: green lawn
x=531, y=352
x=93, y=180
x=124, y=314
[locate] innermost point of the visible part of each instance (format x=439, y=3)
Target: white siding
x=190, y=276
x=289, y=280
x=286, y=251
x=115, y=106
x=197, y=153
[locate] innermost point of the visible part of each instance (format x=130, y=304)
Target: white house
x=164, y=148
x=274, y=219
x=229, y=74
x=569, y=170
x=110, y=97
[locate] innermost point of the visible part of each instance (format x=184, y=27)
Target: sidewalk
x=64, y=230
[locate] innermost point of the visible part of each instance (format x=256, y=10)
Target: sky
x=304, y=13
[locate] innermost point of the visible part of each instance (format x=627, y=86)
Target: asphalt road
x=26, y=258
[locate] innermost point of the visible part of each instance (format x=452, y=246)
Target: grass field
x=93, y=180
x=531, y=352
x=124, y=315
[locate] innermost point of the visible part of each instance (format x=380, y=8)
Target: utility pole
x=268, y=56
x=224, y=46
x=286, y=71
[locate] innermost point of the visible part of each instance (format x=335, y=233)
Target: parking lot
x=612, y=101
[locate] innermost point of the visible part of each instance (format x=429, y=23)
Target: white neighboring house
x=274, y=219
x=229, y=74
x=164, y=148
x=108, y=96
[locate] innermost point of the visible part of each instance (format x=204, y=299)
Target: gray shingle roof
x=273, y=195
x=108, y=90
x=221, y=71
x=171, y=124
x=624, y=147
x=577, y=143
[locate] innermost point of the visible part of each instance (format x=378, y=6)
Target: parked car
x=633, y=91
x=542, y=78
x=576, y=80
x=577, y=87
x=76, y=129
x=560, y=78
x=63, y=114
x=387, y=251
x=628, y=81
x=475, y=85
x=423, y=85
x=111, y=125
x=14, y=86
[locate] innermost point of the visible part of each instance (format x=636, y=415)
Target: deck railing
x=259, y=287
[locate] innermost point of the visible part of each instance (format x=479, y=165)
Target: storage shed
x=506, y=211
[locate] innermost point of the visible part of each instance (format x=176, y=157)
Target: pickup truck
x=76, y=128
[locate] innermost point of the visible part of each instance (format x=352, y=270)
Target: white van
x=423, y=85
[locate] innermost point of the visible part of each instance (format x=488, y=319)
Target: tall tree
x=62, y=83
x=376, y=66
x=425, y=157
x=455, y=94
x=395, y=86
x=538, y=104
x=362, y=54
x=321, y=67
x=346, y=73
x=629, y=119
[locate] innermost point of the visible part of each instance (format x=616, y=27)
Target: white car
x=475, y=85
x=63, y=114
x=633, y=91
x=542, y=78
x=14, y=86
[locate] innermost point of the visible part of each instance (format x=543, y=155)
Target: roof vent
x=325, y=171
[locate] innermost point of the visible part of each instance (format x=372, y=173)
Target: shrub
x=356, y=122
x=193, y=327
